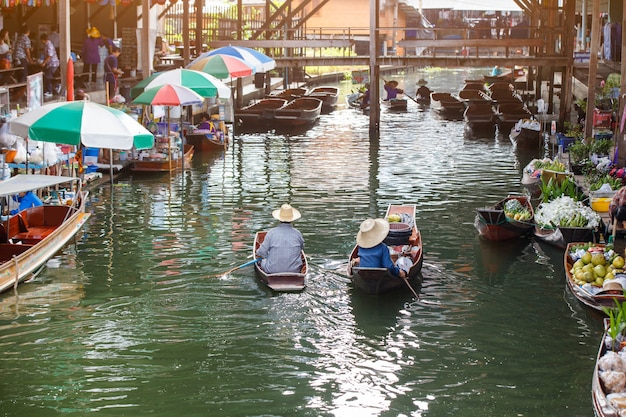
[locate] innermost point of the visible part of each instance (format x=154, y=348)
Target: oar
x=406, y=281
x=414, y=99
x=236, y=268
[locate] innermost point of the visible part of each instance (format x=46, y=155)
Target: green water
x=127, y=322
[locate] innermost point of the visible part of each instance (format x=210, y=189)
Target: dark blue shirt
x=377, y=257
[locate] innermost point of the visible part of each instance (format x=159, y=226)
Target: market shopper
x=283, y=244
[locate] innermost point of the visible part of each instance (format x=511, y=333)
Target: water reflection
x=150, y=324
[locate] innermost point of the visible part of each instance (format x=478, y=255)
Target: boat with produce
x=159, y=162
x=608, y=384
x=595, y=274
x=207, y=141
x=258, y=113
x=328, y=95
x=565, y=220
x=404, y=240
x=509, y=218
x=301, y=111
x=533, y=173
x=31, y=237
x=283, y=281
x=449, y=106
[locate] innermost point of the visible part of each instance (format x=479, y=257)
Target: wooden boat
x=507, y=76
x=161, y=164
x=595, y=297
x=449, y=106
x=301, y=111
x=480, y=116
x=605, y=404
x=509, y=114
x=288, y=93
x=398, y=104
x=328, y=95
x=258, y=113
x=32, y=236
x=493, y=224
x=562, y=236
x=206, y=141
x=527, y=134
x=474, y=96
x=379, y=280
x=283, y=281
x=501, y=96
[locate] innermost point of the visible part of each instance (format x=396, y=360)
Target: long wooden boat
x=258, y=113
x=32, y=236
x=562, y=236
x=206, y=141
x=474, y=96
x=163, y=164
x=507, y=76
x=301, y=111
x=289, y=93
x=509, y=114
x=480, y=117
x=605, y=402
x=492, y=222
x=449, y=106
x=328, y=95
x=526, y=134
x=596, y=298
x=282, y=281
x=378, y=280
x=398, y=104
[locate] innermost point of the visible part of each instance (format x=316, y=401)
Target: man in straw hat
x=282, y=245
x=423, y=92
x=373, y=253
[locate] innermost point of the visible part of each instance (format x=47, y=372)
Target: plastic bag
x=404, y=263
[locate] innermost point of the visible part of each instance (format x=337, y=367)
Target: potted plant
x=578, y=153
x=600, y=147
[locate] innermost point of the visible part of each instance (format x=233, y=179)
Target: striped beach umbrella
x=258, y=60
x=82, y=123
x=169, y=95
x=202, y=83
x=222, y=66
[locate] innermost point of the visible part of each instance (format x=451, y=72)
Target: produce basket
x=399, y=234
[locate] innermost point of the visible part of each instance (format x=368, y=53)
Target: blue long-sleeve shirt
x=377, y=257
x=281, y=249
x=29, y=200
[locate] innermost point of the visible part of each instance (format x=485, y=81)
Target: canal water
x=130, y=319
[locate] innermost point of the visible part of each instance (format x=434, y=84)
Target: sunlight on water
x=137, y=318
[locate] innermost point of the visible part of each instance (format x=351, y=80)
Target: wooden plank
x=482, y=43
x=304, y=43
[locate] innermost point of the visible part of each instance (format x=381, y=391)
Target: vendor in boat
x=283, y=244
x=423, y=92
x=27, y=199
x=206, y=123
x=364, y=98
x=373, y=253
x=495, y=71
x=391, y=87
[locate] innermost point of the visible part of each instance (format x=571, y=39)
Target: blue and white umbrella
x=258, y=60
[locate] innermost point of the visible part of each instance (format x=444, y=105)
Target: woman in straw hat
x=391, y=87
x=282, y=245
x=373, y=253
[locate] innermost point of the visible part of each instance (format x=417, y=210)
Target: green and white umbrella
x=84, y=123
x=202, y=83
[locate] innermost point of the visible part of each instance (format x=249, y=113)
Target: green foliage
x=552, y=189
x=596, y=179
x=579, y=151
x=601, y=146
x=617, y=323
x=573, y=130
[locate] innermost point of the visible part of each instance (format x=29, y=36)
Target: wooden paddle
x=406, y=281
x=236, y=268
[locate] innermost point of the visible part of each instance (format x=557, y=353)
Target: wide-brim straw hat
x=393, y=82
x=286, y=213
x=612, y=285
x=372, y=232
x=422, y=81
x=93, y=32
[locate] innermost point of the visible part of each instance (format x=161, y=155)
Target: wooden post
x=619, y=133
x=374, y=68
x=593, y=68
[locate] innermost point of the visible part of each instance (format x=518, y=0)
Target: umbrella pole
x=169, y=139
x=111, y=164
